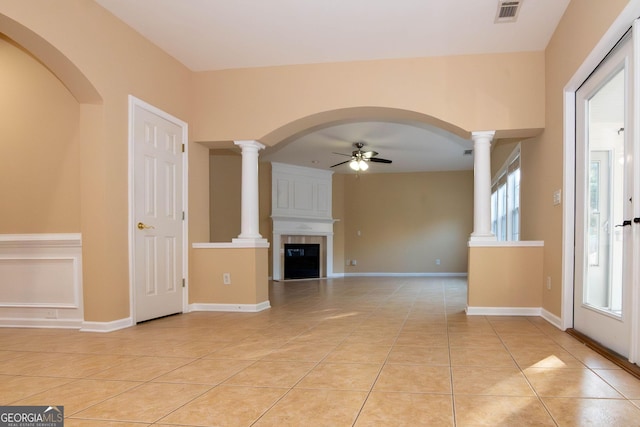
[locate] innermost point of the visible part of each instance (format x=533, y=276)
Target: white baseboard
x=13, y=322
x=107, y=326
x=402, y=275
x=503, y=311
x=247, y=308
x=552, y=318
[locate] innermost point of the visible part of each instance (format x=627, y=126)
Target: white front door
x=157, y=213
x=604, y=204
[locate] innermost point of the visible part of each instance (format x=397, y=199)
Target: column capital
x=483, y=135
x=248, y=144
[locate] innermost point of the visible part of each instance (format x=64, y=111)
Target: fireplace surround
x=301, y=214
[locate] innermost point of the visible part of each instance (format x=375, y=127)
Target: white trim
x=402, y=275
x=606, y=43
x=503, y=311
x=9, y=322
x=61, y=240
x=40, y=253
x=235, y=244
x=552, y=318
x=506, y=244
x=133, y=102
x=504, y=168
x=114, y=325
x=249, y=308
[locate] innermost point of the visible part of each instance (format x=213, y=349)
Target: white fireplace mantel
x=301, y=206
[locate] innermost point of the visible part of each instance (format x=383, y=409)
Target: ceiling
x=225, y=34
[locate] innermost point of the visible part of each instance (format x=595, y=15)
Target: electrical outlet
x=354, y=262
x=226, y=278
x=51, y=314
x=549, y=282
x=438, y=261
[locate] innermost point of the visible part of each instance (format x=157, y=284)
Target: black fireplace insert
x=301, y=260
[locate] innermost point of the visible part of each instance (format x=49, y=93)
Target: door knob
x=143, y=226
x=636, y=220
x=625, y=223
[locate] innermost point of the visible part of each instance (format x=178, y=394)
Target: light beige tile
x=341, y=376
x=74, y=422
x=271, y=374
x=146, y=403
x=490, y=381
x=593, y=412
x=406, y=409
x=359, y=353
x=474, y=340
x=481, y=356
x=300, y=351
x=205, y=371
x=244, y=351
x=14, y=388
x=590, y=358
x=414, y=379
x=422, y=355
x=550, y=382
x=544, y=356
x=318, y=408
x=226, y=406
x=422, y=338
x=507, y=411
x=142, y=368
x=78, y=395
x=622, y=381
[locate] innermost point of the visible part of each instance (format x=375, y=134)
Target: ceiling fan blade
x=378, y=160
x=369, y=154
x=341, y=163
x=341, y=154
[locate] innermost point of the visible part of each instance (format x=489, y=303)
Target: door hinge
x=183, y=215
x=184, y=282
x=183, y=148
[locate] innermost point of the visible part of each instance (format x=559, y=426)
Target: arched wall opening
x=426, y=212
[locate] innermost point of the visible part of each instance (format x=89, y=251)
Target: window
x=505, y=200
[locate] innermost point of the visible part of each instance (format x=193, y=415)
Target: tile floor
x=343, y=352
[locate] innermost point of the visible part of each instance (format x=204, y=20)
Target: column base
x=248, y=242
x=477, y=237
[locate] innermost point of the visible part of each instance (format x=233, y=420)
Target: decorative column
x=249, y=225
x=482, y=186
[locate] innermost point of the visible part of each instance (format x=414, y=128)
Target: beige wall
x=474, y=92
x=225, y=172
x=505, y=276
x=411, y=220
x=101, y=61
x=407, y=221
x=581, y=27
x=39, y=147
x=248, y=271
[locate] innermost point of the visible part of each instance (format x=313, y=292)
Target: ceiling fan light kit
x=358, y=165
x=359, y=159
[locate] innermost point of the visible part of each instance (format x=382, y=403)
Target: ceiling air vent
x=508, y=11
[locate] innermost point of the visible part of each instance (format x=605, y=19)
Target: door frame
x=619, y=27
x=136, y=102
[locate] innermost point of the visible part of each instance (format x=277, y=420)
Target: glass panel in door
x=602, y=203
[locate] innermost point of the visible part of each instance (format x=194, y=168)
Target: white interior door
x=157, y=214
x=604, y=203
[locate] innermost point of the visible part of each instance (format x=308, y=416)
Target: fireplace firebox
x=301, y=260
